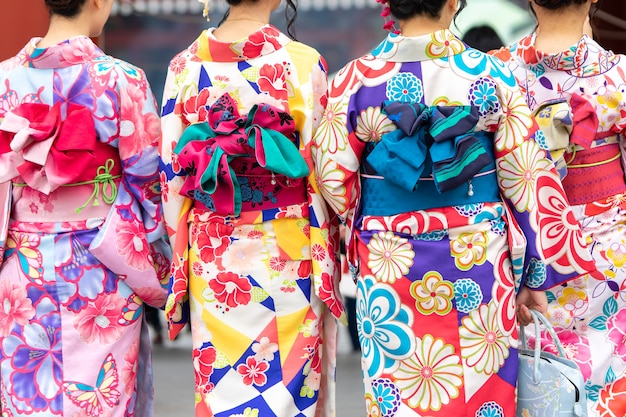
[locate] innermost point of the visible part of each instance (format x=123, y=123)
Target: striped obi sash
x=434, y=159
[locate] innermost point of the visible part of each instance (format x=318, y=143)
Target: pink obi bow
x=266, y=136
x=45, y=149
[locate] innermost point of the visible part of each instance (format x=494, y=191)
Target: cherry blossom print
x=390, y=257
x=483, y=346
x=559, y=234
x=264, y=349
x=132, y=244
x=558, y=316
x=78, y=50
x=203, y=364
x=253, y=371
x=131, y=364
x=432, y=294
x=17, y=308
x=294, y=211
x=516, y=122
x=244, y=255
x=98, y=321
x=372, y=124
x=616, y=326
x=138, y=130
x=231, y=289
x=518, y=173
x=312, y=383
x=272, y=80
x=576, y=347
x=431, y=377
x=469, y=249
x=331, y=135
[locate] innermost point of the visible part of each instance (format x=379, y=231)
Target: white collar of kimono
x=435, y=45
x=70, y=52
x=585, y=58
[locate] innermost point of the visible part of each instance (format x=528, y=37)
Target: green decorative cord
x=103, y=179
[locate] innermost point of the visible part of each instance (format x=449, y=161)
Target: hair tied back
x=390, y=24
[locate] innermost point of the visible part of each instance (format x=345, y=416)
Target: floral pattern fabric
x=437, y=286
x=589, y=314
x=260, y=287
x=84, y=245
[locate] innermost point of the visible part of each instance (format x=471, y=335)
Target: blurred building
x=149, y=33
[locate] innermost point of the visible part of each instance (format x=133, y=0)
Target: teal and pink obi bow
x=266, y=136
x=441, y=137
x=46, y=148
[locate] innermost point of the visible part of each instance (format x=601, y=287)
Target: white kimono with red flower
x=584, y=86
x=257, y=279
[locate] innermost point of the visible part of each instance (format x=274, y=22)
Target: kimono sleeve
x=136, y=213
x=324, y=230
x=175, y=207
x=337, y=150
x=546, y=242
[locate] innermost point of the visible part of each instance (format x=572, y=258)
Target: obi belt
x=589, y=162
x=433, y=159
x=238, y=163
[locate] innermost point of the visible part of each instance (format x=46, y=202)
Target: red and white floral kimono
x=255, y=264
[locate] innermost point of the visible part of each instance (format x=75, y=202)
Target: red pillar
x=19, y=21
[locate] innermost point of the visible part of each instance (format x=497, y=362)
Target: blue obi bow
x=443, y=134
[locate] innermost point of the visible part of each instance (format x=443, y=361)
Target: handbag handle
x=537, y=318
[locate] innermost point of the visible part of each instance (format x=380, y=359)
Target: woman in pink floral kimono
x=255, y=249
x=577, y=89
x=81, y=233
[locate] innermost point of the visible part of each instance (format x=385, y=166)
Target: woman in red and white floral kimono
x=255, y=262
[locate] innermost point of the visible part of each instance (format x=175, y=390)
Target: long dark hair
x=291, y=14
x=67, y=8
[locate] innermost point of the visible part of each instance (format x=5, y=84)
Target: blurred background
x=148, y=33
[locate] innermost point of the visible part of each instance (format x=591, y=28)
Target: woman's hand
x=527, y=299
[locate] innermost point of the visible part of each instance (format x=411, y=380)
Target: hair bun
x=558, y=4
x=68, y=8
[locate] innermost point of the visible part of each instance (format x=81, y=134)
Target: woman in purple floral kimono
x=81, y=231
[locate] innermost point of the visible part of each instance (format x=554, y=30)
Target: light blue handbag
x=548, y=385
